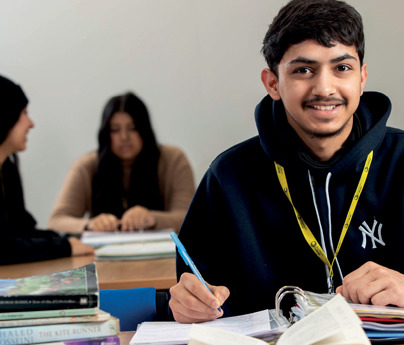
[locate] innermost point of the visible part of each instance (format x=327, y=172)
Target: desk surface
x=125, y=337
x=159, y=273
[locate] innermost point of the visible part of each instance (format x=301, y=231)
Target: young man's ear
x=270, y=82
x=364, y=76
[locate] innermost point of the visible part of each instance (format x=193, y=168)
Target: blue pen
x=187, y=259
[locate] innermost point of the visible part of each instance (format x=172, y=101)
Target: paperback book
x=71, y=289
x=99, y=317
x=18, y=315
x=60, y=332
x=112, y=340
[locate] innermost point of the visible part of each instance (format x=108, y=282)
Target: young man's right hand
x=191, y=302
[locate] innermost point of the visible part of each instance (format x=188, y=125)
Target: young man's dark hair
x=325, y=21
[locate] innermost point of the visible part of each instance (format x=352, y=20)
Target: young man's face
x=320, y=87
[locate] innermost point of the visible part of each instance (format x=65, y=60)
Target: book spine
x=47, y=313
x=48, y=333
x=112, y=340
x=47, y=302
x=102, y=316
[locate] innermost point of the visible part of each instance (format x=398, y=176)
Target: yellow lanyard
x=308, y=235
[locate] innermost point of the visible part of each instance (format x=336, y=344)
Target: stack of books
x=58, y=307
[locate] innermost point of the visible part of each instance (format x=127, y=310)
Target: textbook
x=71, y=289
x=16, y=315
x=60, y=332
x=100, y=316
x=333, y=323
x=112, y=340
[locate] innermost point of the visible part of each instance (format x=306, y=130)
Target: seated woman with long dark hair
x=21, y=241
x=131, y=183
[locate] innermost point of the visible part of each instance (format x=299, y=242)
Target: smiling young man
x=316, y=199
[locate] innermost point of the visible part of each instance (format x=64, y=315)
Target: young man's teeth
x=324, y=107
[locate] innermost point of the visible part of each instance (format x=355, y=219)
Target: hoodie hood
x=279, y=140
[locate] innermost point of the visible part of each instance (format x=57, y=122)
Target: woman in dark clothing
x=20, y=240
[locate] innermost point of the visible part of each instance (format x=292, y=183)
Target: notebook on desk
x=98, y=239
x=136, y=251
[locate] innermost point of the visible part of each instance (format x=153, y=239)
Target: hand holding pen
x=192, y=299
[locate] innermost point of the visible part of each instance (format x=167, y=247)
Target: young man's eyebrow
x=301, y=59
x=344, y=57
x=304, y=60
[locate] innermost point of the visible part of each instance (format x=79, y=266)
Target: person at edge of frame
x=21, y=241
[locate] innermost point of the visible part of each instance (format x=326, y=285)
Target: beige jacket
x=73, y=205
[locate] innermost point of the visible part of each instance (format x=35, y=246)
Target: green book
x=98, y=317
x=17, y=315
x=70, y=289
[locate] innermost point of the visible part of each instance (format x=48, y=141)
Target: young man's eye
x=302, y=70
x=343, y=68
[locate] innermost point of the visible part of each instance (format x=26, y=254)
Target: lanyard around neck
x=308, y=235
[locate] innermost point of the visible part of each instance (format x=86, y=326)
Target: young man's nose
x=324, y=84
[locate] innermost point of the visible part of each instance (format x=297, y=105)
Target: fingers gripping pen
x=188, y=261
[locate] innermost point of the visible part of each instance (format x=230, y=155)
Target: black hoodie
x=242, y=232
x=20, y=240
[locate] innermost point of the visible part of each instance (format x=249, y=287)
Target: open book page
x=202, y=335
x=334, y=323
x=261, y=324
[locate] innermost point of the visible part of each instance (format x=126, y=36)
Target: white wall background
x=195, y=63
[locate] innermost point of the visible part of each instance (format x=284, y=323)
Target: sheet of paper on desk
x=202, y=335
x=260, y=324
x=98, y=239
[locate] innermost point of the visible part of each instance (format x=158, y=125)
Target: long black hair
x=108, y=193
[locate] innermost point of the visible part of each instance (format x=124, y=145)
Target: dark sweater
x=20, y=240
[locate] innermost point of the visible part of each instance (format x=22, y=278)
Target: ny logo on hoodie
x=367, y=231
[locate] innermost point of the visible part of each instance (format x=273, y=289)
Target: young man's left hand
x=374, y=284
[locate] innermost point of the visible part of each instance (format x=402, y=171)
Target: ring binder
x=282, y=292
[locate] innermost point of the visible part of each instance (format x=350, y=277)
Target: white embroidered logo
x=366, y=231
